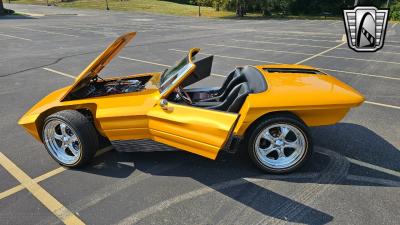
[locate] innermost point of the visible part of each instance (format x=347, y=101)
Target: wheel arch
x=269, y=115
x=88, y=110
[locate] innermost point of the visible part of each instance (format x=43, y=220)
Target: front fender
x=32, y=120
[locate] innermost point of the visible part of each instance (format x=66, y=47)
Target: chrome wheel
x=62, y=142
x=280, y=146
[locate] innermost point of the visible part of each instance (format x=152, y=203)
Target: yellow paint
x=46, y=176
x=11, y=191
x=183, y=128
x=66, y=216
x=43, y=177
x=49, y=174
x=318, y=99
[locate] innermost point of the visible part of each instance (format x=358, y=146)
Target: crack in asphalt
x=57, y=60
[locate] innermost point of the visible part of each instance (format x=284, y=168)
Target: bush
x=395, y=11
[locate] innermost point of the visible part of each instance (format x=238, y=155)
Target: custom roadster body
x=266, y=109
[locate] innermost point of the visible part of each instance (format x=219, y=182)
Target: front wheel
x=70, y=138
x=280, y=144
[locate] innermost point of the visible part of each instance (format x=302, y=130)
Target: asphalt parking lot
x=353, y=177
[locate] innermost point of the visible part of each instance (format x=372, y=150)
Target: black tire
x=84, y=130
x=103, y=141
x=279, y=119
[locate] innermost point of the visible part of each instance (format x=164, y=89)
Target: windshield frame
x=177, y=74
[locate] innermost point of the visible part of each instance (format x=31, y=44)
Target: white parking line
x=228, y=57
x=83, y=30
x=391, y=41
x=394, y=25
x=44, y=31
x=326, y=40
x=339, y=21
x=302, y=53
x=389, y=45
x=307, y=22
x=259, y=49
x=361, y=74
x=140, y=215
x=319, y=54
x=374, y=167
x=77, y=26
x=358, y=59
x=304, y=33
x=263, y=61
x=298, y=39
x=58, y=72
x=143, y=61
x=280, y=43
x=384, y=105
x=159, y=64
x=11, y=36
x=161, y=29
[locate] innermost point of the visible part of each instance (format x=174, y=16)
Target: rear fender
x=311, y=117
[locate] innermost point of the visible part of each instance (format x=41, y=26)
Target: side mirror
x=164, y=104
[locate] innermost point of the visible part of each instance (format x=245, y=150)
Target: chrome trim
x=62, y=142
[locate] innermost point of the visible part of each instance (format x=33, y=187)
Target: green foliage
x=209, y=3
x=395, y=11
x=301, y=7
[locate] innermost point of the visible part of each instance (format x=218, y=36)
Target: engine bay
x=98, y=87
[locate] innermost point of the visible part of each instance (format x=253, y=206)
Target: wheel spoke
x=73, y=138
x=268, y=150
x=284, y=132
x=73, y=150
x=62, y=141
x=57, y=136
x=293, y=144
x=286, y=148
x=62, y=128
x=63, y=147
x=281, y=154
x=267, y=135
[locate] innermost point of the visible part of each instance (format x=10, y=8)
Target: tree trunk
x=1, y=7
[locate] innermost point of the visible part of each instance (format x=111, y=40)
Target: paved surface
x=353, y=178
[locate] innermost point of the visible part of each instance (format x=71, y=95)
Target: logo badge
x=365, y=28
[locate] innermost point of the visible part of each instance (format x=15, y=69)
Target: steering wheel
x=184, y=95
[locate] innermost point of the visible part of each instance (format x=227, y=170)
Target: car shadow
x=231, y=175
x=360, y=143
x=227, y=175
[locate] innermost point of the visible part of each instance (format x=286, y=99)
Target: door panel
x=200, y=131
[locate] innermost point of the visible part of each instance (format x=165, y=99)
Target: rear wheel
x=280, y=144
x=70, y=138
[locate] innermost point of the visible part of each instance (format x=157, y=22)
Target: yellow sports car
x=266, y=109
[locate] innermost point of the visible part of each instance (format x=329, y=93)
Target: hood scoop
x=292, y=70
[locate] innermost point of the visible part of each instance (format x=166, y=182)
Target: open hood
x=100, y=62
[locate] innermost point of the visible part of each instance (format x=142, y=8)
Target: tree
x=1, y=7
